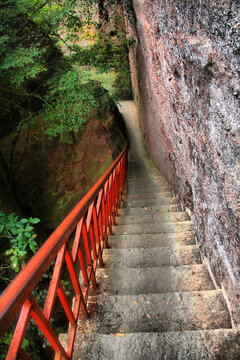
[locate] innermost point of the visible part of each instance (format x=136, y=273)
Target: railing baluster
x=20, y=331
x=86, y=244
x=104, y=217
x=46, y=328
x=99, y=211
x=108, y=210
x=113, y=200
x=74, y=278
x=94, y=250
x=115, y=193
x=82, y=265
x=96, y=234
x=88, y=254
x=64, y=301
x=77, y=251
x=77, y=240
x=90, y=230
x=51, y=296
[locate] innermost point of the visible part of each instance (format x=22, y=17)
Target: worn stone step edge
x=135, y=281
x=152, y=240
x=172, y=345
x=138, y=180
x=155, y=217
x=143, y=190
x=145, y=187
x=150, y=195
x=150, y=209
x=147, y=202
x=148, y=228
x=197, y=310
x=153, y=257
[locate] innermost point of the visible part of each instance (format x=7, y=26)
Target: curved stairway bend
x=156, y=299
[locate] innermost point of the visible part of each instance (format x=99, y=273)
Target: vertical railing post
x=88, y=254
x=96, y=233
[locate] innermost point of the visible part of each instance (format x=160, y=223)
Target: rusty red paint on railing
x=92, y=221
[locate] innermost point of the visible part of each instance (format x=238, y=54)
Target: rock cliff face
x=185, y=74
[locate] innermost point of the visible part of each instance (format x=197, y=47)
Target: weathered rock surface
x=185, y=72
x=55, y=175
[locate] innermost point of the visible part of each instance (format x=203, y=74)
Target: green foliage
x=107, y=55
x=72, y=99
x=33, y=69
x=21, y=64
x=5, y=341
x=21, y=235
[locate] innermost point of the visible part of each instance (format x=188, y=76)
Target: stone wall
x=185, y=74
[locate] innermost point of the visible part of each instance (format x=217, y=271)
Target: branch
x=61, y=40
x=27, y=94
x=33, y=13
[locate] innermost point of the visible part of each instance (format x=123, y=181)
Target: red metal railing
x=90, y=222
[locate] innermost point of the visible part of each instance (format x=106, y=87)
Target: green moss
x=56, y=206
x=97, y=169
x=107, y=79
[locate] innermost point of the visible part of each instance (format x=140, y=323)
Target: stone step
x=153, y=257
x=135, y=281
x=143, y=177
x=141, y=173
x=148, y=228
x=219, y=344
x=159, y=312
x=144, y=188
x=151, y=240
x=135, y=178
x=152, y=195
x=143, y=210
x=163, y=200
x=151, y=218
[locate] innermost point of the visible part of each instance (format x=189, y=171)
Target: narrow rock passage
x=156, y=299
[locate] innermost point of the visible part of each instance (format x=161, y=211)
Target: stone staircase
x=156, y=298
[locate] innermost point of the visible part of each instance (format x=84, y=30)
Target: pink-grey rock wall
x=185, y=74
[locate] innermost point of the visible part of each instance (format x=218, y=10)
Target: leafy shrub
x=21, y=235
x=71, y=101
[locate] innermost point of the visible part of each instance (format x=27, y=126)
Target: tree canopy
x=42, y=59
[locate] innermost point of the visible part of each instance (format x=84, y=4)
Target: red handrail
x=92, y=220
